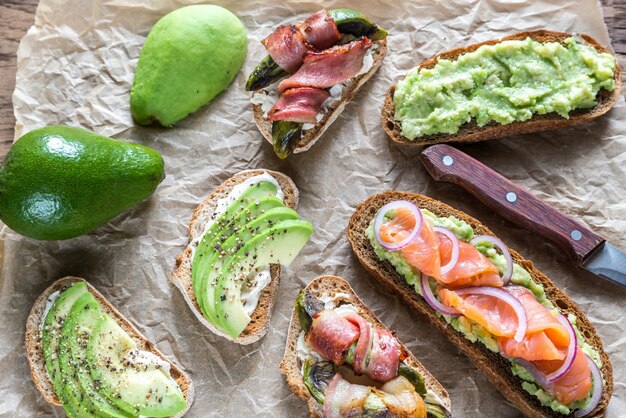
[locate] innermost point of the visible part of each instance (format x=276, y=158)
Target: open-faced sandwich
x=532, y=342
x=314, y=68
x=85, y=356
x=526, y=82
x=238, y=237
x=344, y=362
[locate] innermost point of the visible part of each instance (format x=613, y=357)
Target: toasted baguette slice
x=310, y=136
x=292, y=371
x=496, y=368
x=471, y=132
x=181, y=276
x=34, y=350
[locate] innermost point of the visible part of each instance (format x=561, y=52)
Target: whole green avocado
x=190, y=56
x=59, y=182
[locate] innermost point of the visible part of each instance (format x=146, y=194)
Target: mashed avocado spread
x=472, y=330
x=505, y=82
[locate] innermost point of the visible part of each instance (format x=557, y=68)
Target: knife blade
x=588, y=249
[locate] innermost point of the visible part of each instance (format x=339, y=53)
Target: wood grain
x=16, y=16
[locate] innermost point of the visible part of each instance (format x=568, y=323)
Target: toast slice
x=34, y=350
x=496, y=368
x=310, y=136
x=471, y=132
x=290, y=368
x=181, y=276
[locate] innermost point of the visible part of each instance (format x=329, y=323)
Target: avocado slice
x=78, y=385
x=207, y=248
x=51, y=337
x=228, y=248
x=279, y=244
x=138, y=387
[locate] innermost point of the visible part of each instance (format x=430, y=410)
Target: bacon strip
x=331, y=335
x=298, y=105
x=329, y=67
x=287, y=46
x=384, y=358
x=320, y=30
x=344, y=399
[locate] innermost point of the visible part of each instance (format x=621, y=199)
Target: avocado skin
x=190, y=56
x=59, y=182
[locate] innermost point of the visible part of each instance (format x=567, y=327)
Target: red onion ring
x=508, y=272
x=503, y=295
x=380, y=217
x=455, y=248
x=432, y=300
x=539, y=377
x=571, y=350
x=597, y=389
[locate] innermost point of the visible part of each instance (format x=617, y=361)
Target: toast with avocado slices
x=528, y=337
x=313, y=70
x=85, y=356
x=526, y=82
x=342, y=360
x=238, y=237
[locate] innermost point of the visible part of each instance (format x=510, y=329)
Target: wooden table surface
x=16, y=16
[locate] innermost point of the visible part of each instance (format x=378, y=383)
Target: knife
x=588, y=249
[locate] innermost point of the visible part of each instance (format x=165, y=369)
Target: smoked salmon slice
x=574, y=385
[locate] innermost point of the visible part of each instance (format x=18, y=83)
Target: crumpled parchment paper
x=76, y=66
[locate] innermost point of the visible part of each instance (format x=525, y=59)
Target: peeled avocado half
x=190, y=56
x=91, y=362
x=254, y=231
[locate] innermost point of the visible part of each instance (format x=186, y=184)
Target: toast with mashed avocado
x=85, y=356
x=526, y=82
x=238, y=237
x=319, y=367
x=528, y=337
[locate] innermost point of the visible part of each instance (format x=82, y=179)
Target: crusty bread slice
x=496, y=368
x=310, y=136
x=471, y=132
x=34, y=350
x=290, y=368
x=181, y=276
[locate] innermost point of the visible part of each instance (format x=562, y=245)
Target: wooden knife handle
x=512, y=202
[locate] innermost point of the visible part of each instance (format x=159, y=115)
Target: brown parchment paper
x=76, y=66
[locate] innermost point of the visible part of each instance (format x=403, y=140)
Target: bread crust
x=181, y=276
x=495, y=367
x=289, y=364
x=34, y=350
x=311, y=136
x=471, y=132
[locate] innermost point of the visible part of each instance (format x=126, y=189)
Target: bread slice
x=471, y=132
x=34, y=350
x=310, y=136
x=496, y=368
x=181, y=276
x=290, y=368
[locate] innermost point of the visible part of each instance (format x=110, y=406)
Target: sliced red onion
x=503, y=295
x=455, y=248
x=571, y=350
x=597, y=390
x=508, y=272
x=432, y=300
x=380, y=217
x=539, y=377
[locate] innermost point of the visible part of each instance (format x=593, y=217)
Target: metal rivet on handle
x=447, y=160
x=576, y=235
x=511, y=197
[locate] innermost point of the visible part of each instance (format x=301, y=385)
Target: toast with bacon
x=333, y=287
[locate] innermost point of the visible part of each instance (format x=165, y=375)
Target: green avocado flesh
x=472, y=330
x=59, y=182
x=95, y=367
x=502, y=83
x=253, y=231
x=190, y=56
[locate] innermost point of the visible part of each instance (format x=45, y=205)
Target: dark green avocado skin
x=59, y=182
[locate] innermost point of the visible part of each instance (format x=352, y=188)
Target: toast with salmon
x=472, y=132
x=315, y=306
x=538, y=342
x=38, y=362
